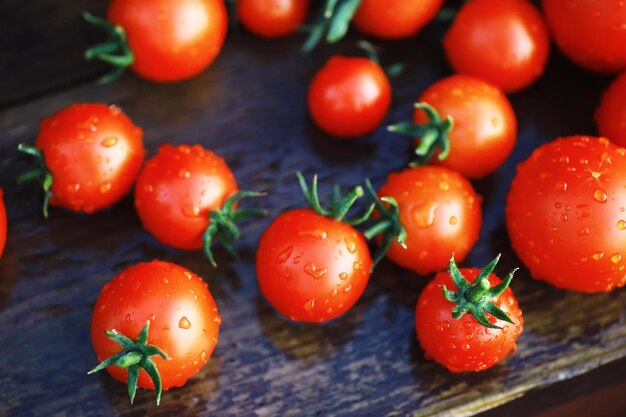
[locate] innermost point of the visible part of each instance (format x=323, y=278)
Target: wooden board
x=250, y=108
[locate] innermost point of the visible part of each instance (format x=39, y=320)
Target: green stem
x=333, y=24
x=39, y=173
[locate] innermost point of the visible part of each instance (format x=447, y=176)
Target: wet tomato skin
x=565, y=213
x=3, y=224
x=272, y=18
x=611, y=115
x=349, y=97
x=440, y=212
x=311, y=268
x=504, y=42
x=176, y=191
x=394, y=19
x=184, y=321
x=485, y=127
x=94, y=153
x=171, y=39
x=464, y=345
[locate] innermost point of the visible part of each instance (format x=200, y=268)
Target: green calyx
x=134, y=356
x=476, y=298
x=392, y=71
x=433, y=135
x=340, y=206
x=389, y=224
x=114, y=51
x=333, y=24
x=39, y=173
x=223, y=223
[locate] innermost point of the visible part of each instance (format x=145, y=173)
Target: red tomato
x=565, y=213
x=590, y=32
x=349, y=97
x=3, y=224
x=272, y=18
x=463, y=344
x=393, y=19
x=485, y=128
x=177, y=190
x=93, y=152
x=505, y=42
x=611, y=115
x=171, y=39
x=440, y=212
x=183, y=320
x=312, y=268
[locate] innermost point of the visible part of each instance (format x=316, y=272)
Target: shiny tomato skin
x=311, y=268
x=565, y=213
x=94, y=153
x=440, y=212
x=172, y=40
x=349, y=97
x=505, y=42
x=611, y=115
x=485, y=127
x=394, y=19
x=3, y=224
x=590, y=32
x=272, y=18
x=184, y=321
x=176, y=191
x=464, y=345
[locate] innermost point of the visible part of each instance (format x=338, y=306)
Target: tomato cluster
x=156, y=324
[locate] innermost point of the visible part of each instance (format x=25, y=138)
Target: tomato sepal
x=134, y=356
x=223, y=223
x=391, y=71
x=40, y=173
x=476, y=298
x=434, y=135
x=333, y=24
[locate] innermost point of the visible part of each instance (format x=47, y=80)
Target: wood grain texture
x=250, y=108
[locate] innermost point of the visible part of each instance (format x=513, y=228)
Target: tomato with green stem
x=504, y=42
x=163, y=41
x=611, y=114
x=3, y=223
x=312, y=265
x=272, y=18
x=468, y=342
x=87, y=157
x=154, y=326
x=466, y=122
x=186, y=197
x=425, y=214
x=565, y=213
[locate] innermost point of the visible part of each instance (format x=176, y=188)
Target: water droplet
x=317, y=233
x=309, y=305
x=184, y=173
x=351, y=246
x=218, y=319
x=561, y=186
x=334, y=292
x=129, y=318
x=109, y=141
x=284, y=255
x=584, y=231
x=72, y=188
x=597, y=256
x=203, y=355
x=105, y=187
x=313, y=270
x=600, y=195
x=621, y=225
x=184, y=323
x=297, y=259
x=564, y=159
x=444, y=186
x=191, y=210
x=187, y=274
x=347, y=288
x=343, y=276
x=564, y=217
x=424, y=214
x=453, y=220
x=465, y=347
x=357, y=265
x=606, y=157
x=151, y=317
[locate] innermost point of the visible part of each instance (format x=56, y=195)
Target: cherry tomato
x=590, y=32
x=505, y=42
x=3, y=224
x=611, y=115
x=440, y=212
x=349, y=97
x=457, y=340
x=182, y=316
x=171, y=39
x=272, y=18
x=565, y=213
x=484, y=130
x=393, y=19
x=93, y=153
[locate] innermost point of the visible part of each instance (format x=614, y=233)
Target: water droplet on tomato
x=187, y=274
x=203, y=356
x=334, y=292
x=105, y=187
x=561, y=186
x=184, y=323
x=444, y=186
x=621, y=225
x=184, y=173
x=564, y=217
x=109, y=141
x=315, y=271
x=616, y=258
x=424, y=214
x=191, y=210
x=347, y=289
x=218, y=319
x=357, y=265
x=453, y=220
x=343, y=276
x=597, y=256
x=72, y=188
x=129, y=318
x=317, y=233
x=600, y=195
x=309, y=305
x=584, y=231
x=351, y=246
x=297, y=259
x=151, y=317
x=284, y=254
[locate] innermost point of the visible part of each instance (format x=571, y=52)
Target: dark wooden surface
x=250, y=108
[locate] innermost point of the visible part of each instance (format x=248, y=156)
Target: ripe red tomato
x=457, y=340
x=272, y=18
x=3, y=224
x=565, y=213
x=171, y=39
x=611, y=115
x=440, y=212
x=182, y=316
x=349, y=97
x=393, y=19
x=93, y=153
x=505, y=42
x=590, y=32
